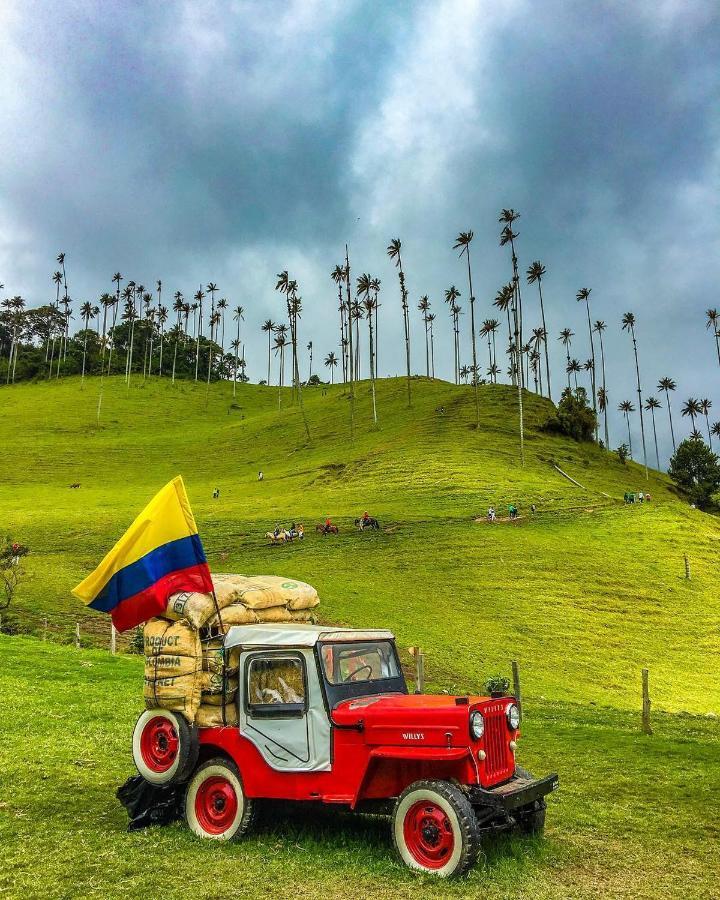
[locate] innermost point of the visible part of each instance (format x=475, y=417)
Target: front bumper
x=520, y=791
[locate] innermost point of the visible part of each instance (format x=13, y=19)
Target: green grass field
x=583, y=594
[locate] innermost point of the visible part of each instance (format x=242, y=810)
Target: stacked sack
x=185, y=665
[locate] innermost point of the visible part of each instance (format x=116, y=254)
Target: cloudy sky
x=226, y=141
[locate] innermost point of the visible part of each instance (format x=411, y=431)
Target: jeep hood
x=424, y=720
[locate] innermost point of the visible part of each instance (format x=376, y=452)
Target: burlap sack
x=180, y=693
x=213, y=683
x=236, y=614
x=173, y=667
x=225, y=591
x=212, y=716
x=213, y=656
x=266, y=591
x=274, y=614
x=171, y=638
x=195, y=607
x=217, y=699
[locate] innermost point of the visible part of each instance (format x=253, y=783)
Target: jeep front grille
x=499, y=761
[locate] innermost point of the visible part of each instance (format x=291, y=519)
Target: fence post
x=516, y=686
x=420, y=672
x=646, y=703
x=45, y=629
x=77, y=635
x=113, y=637
x=687, y=567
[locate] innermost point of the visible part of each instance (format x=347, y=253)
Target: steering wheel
x=351, y=676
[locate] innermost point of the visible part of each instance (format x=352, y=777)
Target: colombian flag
x=159, y=555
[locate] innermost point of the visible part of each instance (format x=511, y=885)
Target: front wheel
x=215, y=804
x=435, y=830
x=165, y=746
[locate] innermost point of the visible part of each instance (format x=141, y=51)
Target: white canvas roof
x=297, y=634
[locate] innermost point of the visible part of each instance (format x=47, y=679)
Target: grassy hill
x=583, y=594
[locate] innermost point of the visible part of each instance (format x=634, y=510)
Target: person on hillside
x=491, y=514
x=276, y=531
x=216, y=494
x=328, y=525
x=260, y=475
x=365, y=519
x=533, y=509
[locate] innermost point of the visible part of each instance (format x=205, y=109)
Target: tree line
x=130, y=332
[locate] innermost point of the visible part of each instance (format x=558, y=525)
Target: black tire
x=531, y=819
x=435, y=830
x=215, y=803
x=165, y=747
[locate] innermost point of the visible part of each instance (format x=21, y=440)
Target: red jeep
x=324, y=715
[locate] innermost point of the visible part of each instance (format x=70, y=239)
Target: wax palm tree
x=179, y=310
x=451, y=296
x=424, y=307
x=268, y=327
x=238, y=316
x=493, y=372
x=462, y=243
x=603, y=407
x=705, y=410
x=507, y=236
x=573, y=367
x=162, y=315
x=365, y=290
x=691, y=408
x=15, y=306
x=331, y=362
x=429, y=321
x=716, y=429
x=598, y=328
x=464, y=372
x=310, y=351
x=539, y=338
x=63, y=347
x=503, y=301
x=338, y=276
x=199, y=297
x=235, y=347
x=117, y=280
x=485, y=332
x=222, y=305
x=535, y=273
x=566, y=336
x=87, y=312
x=651, y=404
x=356, y=316
x=583, y=296
x=626, y=408
x=712, y=322
x=667, y=385
x=394, y=252
x=375, y=285
x=628, y=324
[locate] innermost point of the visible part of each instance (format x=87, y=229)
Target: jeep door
x=282, y=711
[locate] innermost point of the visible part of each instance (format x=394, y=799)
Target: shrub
x=695, y=469
x=575, y=418
x=623, y=451
x=497, y=684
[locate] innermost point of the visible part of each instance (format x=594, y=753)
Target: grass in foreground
x=635, y=816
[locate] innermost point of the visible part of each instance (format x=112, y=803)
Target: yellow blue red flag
x=159, y=555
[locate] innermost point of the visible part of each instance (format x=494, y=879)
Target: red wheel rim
x=428, y=834
x=159, y=744
x=216, y=804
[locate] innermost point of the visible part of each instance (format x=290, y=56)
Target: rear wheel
x=435, y=830
x=165, y=746
x=215, y=804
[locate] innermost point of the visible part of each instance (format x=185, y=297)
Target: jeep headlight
x=513, y=717
x=477, y=725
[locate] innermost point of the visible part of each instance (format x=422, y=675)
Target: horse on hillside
x=370, y=522
x=282, y=537
x=326, y=529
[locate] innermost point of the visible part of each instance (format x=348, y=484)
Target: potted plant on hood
x=497, y=686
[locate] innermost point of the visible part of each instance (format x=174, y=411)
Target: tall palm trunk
x=517, y=321
x=627, y=419
x=672, y=431
x=432, y=352
x=82, y=377
x=472, y=334
x=372, y=365
x=592, y=372
x=657, y=453
x=639, y=393
x=269, y=353
x=547, y=356
x=112, y=339
x=427, y=351
x=605, y=415
x=350, y=348
x=343, y=351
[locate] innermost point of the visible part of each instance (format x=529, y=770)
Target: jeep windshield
x=356, y=669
